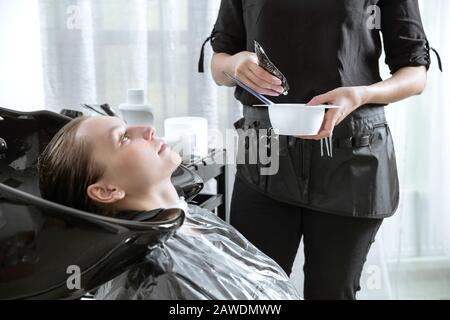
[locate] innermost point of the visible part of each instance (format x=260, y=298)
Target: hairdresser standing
x=329, y=52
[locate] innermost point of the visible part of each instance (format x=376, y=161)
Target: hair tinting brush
x=257, y=95
x=93, y=109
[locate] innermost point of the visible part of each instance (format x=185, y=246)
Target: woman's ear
x=102, y=193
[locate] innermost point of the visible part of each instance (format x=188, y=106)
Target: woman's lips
x=163, y=147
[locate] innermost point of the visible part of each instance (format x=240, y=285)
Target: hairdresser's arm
x=406, y=82
x=244, y=66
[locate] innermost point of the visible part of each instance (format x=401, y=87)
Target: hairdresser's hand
x=247, y=70
x=349, y=98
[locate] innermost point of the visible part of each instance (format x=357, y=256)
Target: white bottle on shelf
x=136, y=111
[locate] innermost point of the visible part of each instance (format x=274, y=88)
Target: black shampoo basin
x=50, y=251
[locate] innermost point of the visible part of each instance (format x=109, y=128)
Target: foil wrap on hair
x=205, y=259
x=265, y=63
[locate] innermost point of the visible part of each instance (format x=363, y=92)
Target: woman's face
x=135, y=159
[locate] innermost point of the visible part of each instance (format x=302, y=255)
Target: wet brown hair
x=66, y=169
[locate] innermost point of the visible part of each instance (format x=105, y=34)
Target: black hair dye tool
x=109, y=111
x=265, y=63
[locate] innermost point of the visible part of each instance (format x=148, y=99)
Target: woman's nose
x=149, y=133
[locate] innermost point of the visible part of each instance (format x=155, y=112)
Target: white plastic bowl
x=297, y=119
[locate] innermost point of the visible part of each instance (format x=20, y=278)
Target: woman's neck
x=158, y=196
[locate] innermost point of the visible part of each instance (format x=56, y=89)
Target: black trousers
x=335, y=247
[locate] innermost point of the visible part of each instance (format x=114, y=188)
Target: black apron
x=360, y=179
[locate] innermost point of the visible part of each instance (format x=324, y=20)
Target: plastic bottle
x=136, y=111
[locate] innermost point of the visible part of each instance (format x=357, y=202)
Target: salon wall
x=21, y=80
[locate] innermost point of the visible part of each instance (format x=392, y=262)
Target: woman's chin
x=174, y=158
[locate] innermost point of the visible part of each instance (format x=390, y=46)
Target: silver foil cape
x=205, y=259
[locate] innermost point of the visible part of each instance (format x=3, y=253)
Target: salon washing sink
x=50, y=251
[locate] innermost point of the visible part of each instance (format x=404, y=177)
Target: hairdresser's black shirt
x=320, y=45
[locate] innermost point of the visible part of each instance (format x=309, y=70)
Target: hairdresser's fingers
x=326, y=129
x=246, y=80
x=263, y=84
x=265, y=79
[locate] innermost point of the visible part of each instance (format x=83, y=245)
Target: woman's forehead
x=99, y=127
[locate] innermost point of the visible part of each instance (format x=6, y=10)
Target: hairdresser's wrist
x=223, y=62
x=365, y=95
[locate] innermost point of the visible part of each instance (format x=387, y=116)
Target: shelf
x=209, y=201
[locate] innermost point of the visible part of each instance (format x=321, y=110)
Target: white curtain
x=410, y=258
x=94, y=50
x=21, y=80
